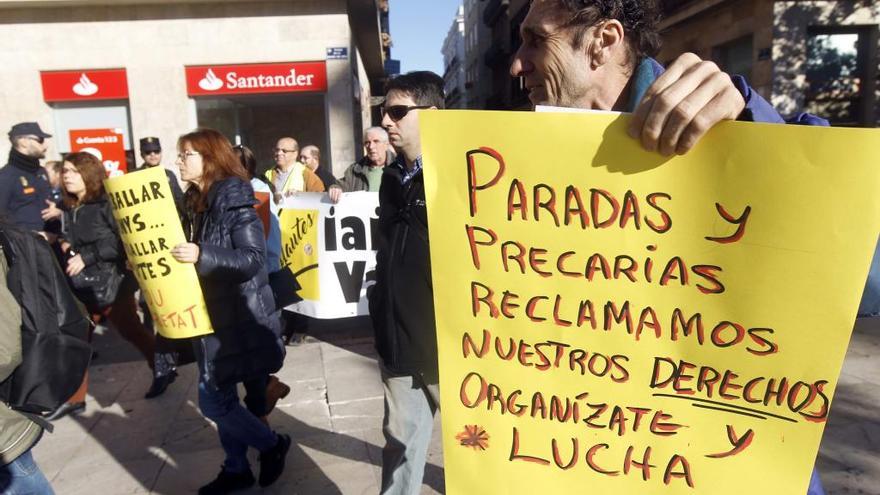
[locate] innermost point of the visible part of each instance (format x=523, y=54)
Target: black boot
x=227, y=482
x=160, y=383
x=272, y=460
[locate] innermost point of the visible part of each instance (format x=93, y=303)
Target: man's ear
x=607, y=42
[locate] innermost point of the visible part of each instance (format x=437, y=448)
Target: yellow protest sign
x=149, y=226
x=620, y=322
x=299, y=246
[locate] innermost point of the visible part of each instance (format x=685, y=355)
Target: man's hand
x=185, y=252
x=335, y=192
x=51, y=212
x=75, y=265
x=682, y=104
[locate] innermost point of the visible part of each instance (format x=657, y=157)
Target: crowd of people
x=64, y=203
x=578, y=54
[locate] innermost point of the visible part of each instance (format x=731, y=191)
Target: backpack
x=54, y=329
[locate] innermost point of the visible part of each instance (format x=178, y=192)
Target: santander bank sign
x=288, y=77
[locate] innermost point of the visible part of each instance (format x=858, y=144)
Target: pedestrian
x=275, y=389
x=227, y=246
x=289, y=176
x=170, y=353
x=366, y=173
x=95, y=261
x=25, y=192
x=598, y=55
x=401, y=303
x=310, y=156
x=19, y=473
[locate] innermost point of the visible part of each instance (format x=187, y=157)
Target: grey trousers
x=410, y=405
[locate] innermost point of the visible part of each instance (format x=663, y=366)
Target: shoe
x=160, y=383
x=275, y=391
x=296, y=339
x=65, y=409
x=272, y=460
x=227, y=482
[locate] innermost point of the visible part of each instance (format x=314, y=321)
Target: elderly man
x=25, y=191
x=366, y=173
x=289, y=176
x=597, y=55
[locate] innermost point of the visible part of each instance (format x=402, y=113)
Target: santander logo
x=210, y=82
x=85, y=87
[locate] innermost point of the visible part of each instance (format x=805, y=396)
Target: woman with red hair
x=227, y=246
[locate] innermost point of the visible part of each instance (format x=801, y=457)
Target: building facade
x=454, y=62
x=815, y=56
x=255, y=70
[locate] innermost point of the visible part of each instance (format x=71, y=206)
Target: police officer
x=151, y=152
x=169, y=354
x=25, y=192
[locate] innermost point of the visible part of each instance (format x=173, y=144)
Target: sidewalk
x=125, y=444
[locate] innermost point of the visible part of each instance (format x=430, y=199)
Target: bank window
x=841, y=74
x=735, y=57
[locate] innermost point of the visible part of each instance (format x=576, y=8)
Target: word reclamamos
x=620, y=316
x=591, y=208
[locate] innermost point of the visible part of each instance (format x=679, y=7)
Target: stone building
x=817, y=56
x=453, y=62
x=254, y=69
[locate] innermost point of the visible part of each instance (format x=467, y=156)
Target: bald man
x=289, y=176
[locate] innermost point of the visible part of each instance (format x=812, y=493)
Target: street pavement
x=126, y=444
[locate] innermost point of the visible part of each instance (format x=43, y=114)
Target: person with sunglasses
x=25, y=191
x=169, y=353
x=290, y=176
x=401, y=302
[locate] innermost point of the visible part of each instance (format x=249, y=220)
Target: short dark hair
x=639, y=19
x=424, y=87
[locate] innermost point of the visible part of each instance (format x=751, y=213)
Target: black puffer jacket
x=247, y=329
x=91, y=231
x=402, y=301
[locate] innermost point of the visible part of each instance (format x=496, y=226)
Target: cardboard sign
x=149, y=227
x=615, y=321
x=106, y=144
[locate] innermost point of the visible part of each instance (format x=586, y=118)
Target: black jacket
x=24, y=189
x=247, y=329
x=401, y=302
x=92, y=233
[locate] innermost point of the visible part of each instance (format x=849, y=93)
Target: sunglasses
x=397, y=112
x=153, y=152
x=38, y=139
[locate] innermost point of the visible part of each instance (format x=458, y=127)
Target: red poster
x=84, y=85
x=286, y=77
x=106, y=144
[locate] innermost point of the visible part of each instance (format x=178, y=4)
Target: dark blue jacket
x=24, y=189
x=247, y=329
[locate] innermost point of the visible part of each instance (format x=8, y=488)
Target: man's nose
x=520, y=66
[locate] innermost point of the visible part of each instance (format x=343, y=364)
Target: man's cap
x=150, y=144
x=28, y=129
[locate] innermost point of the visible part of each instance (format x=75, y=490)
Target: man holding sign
x=597, y=55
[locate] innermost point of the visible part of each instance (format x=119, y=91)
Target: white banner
x=331, y=250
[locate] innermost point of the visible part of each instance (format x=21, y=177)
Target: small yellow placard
x=612, y=321
x=299, y=249
x=149, y=226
